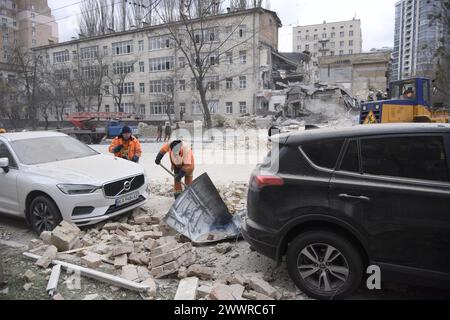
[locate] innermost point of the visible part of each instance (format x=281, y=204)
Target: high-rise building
x=329, y=39
x=416, y=39
x=26, y=23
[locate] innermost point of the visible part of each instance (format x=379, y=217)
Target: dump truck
x=414, y=107
x=86, y=130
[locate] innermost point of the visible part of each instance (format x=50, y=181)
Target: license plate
x=127, y=199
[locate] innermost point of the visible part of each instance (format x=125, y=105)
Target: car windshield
x=50, y=149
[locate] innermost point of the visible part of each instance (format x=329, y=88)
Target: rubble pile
x=234, y=195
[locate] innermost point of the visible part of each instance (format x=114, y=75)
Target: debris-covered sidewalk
x=139, y=257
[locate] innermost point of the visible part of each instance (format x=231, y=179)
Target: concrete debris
x=203, y=291
x=92, y=260
x=46, y=236
x=221, y=292
x=187, y=289
x=58, y=296
x=27, y=286
x=46, y=259
x=182, y=273
x=253, y=295
x=120, y=261
x=35, y=243
x=152, y=288
x=29, y=276
x=223, y=248
x=65, y=236
x=130, y=272
x=121, y=250
x=263, y=287
x=201, y=272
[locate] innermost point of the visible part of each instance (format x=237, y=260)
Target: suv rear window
x=419, y=157
x=325, y=153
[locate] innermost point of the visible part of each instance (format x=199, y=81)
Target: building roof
x=150, y=28
x=15, y=136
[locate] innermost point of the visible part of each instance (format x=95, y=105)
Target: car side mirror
x=4, y=164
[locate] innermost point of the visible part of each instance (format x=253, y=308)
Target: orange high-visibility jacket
x=184, y=160
x=130, y=148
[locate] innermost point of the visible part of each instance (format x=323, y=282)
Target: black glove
x=118, y=148
x=135, y=159
x=159, y=158
x=180, y=175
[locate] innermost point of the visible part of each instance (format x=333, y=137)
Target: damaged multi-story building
x=248, y=40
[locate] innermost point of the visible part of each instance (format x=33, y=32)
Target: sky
x=377, y=18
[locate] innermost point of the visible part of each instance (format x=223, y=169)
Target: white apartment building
x=329, y=39
x=240, y=40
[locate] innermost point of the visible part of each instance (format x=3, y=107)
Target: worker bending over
x=126, y=146
x=182, y=159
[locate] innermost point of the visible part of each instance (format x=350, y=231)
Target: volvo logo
x=127, y=185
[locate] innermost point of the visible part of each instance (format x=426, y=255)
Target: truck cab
x=410, y=102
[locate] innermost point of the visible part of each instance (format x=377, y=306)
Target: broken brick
x=203, y=273
x=120, y=250
x=187, y=289
x=46, y=259
x=261, y=286
x=92, y=260
x=65, y=236
x=253, y=295
x=120, y=261
x=130, y=272
x=221, y=292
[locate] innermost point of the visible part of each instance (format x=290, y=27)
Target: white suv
x=48, y=176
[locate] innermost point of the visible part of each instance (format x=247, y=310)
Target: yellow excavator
x=410, y=102
x=2, y=128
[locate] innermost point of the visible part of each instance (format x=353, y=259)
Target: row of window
x=166, y=85
x=325, y=28
x=324, y=36
x=416, y=157
x=332, y=53
x=161, y=108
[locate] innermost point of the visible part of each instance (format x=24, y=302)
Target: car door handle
x=349, y=196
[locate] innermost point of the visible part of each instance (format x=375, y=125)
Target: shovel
x=170, y=172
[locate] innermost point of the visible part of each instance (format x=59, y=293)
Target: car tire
x=332, y=267
x=43, y=214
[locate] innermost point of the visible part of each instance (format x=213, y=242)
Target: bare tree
x=29, y=68
x=196, y=38
x=117, y=77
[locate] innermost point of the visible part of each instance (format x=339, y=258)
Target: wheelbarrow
x=201, y=215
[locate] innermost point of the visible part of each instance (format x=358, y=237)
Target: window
x=341, y=43
x=333, y=44
x=228, y=30
x=141, y=66
x=333, y=35
x=331, y=53
x=89, y=53
x=142, y=87
x=141, y=45
x=350, y=51
x=182, y=107
x=126, y=88
x=324, y=35
x=316, y=37
x=4, y=153
x=341, y=34
x=182, y=85
x=243, y=82
x=161, y=64
x=350, y=162
x=160, y=42
x=105, y=50
x=415, y=157
x=307, y=47
x=62, y=74
x=106, y=89
x=242, y=31
x=307, y=37
x=125, y=107
x=141, y=110
x=229, y=83
x=229, y=107
x=350, y=33
x=107, y=108
x=212, y=83
x=341, y=52
x=182, y=62
x=315, y=45
x=90, y=72
x=124, y=47
x=197, y=108
x=243, y=107
x=161, y=108
x=229, y=57
x=61, y=56
x=159, y=86
x=350, y=43
x=324, y=154
x=123, y=67
x=243, y=57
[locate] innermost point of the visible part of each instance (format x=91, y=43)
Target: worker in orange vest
x=126, y=146
x=182, y=159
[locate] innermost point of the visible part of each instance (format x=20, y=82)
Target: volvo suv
x=336, y=201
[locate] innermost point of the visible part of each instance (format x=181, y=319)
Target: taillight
x=267, y=181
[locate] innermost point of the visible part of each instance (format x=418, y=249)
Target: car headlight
x=77, y=188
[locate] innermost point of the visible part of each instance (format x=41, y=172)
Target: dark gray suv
x=334, y=201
